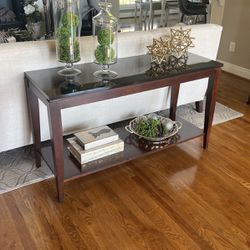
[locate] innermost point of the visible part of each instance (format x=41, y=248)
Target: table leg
x=135, y=13
x=140, y=17
x=210, y=105
x=199, y=106
x=163, y=13
x=174, y=98
x=150, y=18
x=46, y=19
x=33, y=106
x=56, y=134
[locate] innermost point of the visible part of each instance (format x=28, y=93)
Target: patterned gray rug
x=17, y=167
x=221, y=114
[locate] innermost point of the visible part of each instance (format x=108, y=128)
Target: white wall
x=217, y=11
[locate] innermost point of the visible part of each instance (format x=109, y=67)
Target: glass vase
x=67, y=33
x=34, y=29
x=105, y=27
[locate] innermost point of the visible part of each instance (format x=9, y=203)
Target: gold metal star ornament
x=159, y=50
x=176, y=45
x=181, y=40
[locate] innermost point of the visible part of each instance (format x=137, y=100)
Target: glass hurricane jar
x=105, y=27
x=67, y=33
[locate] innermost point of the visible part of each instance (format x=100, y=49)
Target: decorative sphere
x=104, y=54
x=105, y=37
x=153, y=116
x=167, y=125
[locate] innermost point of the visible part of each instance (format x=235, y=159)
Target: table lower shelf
x=73, y=170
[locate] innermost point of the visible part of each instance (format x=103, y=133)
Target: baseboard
x=236, y=70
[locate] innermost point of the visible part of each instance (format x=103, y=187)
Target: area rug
x=221, y=114
x=17, y=167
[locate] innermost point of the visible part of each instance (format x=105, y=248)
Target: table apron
x=86, y=98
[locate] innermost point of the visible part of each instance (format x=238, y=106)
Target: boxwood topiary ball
x=70, y=18
x=105, y=37
x=104, y=54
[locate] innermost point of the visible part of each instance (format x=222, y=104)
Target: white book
x=94, y=137
x=117, y=155
x=84, y=156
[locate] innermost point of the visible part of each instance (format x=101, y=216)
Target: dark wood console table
x=56, y=94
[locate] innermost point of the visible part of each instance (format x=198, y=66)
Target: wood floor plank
x=138, y=199
x=108, y=219
x=20, y=225
x=9, y=236
x=44, y=224
x=194, y=213
x=136, y=224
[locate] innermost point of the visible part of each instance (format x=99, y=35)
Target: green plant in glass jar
x=105, y=30
x=67, y=36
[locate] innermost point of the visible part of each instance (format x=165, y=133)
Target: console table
x=58, y=93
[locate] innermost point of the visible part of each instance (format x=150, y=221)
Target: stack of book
x=93, y=144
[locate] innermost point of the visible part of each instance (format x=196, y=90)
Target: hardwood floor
x=181, y=198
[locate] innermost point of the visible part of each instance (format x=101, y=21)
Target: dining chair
x=167, y=6
x=147, y=10
x=154, y=6
x=141, y=7
x=190, y=8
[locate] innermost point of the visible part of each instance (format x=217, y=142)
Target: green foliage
x=65, y=34
x=150, y=128
x=105, y=37
x=35, y=17
x=70, y=19
x=105, y=54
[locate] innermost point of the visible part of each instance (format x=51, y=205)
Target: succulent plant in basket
x=153, y=127
x=149, y=127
